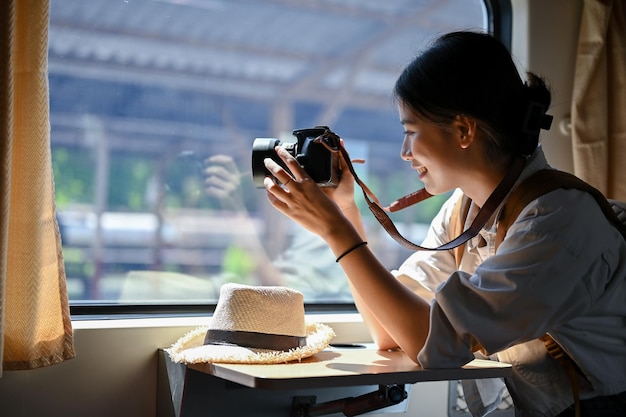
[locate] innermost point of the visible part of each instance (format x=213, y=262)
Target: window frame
x=499, y=23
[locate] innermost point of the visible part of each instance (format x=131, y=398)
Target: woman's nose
x=405, y=151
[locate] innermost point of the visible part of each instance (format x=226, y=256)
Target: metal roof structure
x=234, y=65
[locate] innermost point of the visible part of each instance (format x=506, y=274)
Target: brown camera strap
x=484, y=214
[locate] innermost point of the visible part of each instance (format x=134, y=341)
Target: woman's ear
x=465, y=130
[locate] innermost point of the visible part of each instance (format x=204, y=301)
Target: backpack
x=536, y=185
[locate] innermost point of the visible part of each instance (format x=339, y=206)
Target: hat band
x=253, y=339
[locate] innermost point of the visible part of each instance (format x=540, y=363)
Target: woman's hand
x=343, y=194
x=301, y=199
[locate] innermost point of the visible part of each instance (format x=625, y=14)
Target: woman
x=467, y=116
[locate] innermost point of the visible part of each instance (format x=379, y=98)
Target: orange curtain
x=35, y=325
x=599, y=98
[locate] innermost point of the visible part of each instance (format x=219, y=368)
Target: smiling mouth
x=421, y=170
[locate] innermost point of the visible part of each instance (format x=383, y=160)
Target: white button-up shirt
x=561, y=269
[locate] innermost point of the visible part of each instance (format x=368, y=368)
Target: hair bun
x=535, y=117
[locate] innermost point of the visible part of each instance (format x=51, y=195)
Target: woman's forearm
x=394, y=315
x=381, y=338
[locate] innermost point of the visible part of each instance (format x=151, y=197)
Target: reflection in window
x=154, y=108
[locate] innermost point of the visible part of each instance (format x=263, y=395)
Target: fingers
x=280, y=173
x=292, y=163
x=281, y=190
x=276, y=194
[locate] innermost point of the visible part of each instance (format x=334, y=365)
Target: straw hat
x=255, y=325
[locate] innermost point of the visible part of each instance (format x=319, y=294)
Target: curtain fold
x=35, y=325
x=599, y=98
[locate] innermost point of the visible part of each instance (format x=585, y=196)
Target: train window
x=154, y=109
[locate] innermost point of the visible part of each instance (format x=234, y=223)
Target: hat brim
x=190, y=348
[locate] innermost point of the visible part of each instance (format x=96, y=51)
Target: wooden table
x=348, y=367
x=234, y=389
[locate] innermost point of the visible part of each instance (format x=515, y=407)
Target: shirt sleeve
x=538, y=278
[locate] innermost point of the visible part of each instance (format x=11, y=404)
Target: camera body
x=320, y=163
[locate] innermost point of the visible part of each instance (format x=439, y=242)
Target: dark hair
x=473, y=74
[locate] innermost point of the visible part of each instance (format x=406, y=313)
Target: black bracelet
x=358, y=245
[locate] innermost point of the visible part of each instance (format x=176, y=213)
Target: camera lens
x=264, y=148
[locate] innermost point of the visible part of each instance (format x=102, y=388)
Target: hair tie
x=536, y=118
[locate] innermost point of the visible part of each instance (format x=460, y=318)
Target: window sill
x=349, y=327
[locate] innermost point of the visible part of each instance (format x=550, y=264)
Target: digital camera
x=314, y=156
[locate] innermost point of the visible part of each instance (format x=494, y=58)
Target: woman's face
x=432, y=151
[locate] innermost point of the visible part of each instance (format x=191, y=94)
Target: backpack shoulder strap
x=542, y=182
x=457, y=224
x=536, y=185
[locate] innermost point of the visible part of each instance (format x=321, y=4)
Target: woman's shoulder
x=565, y=212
